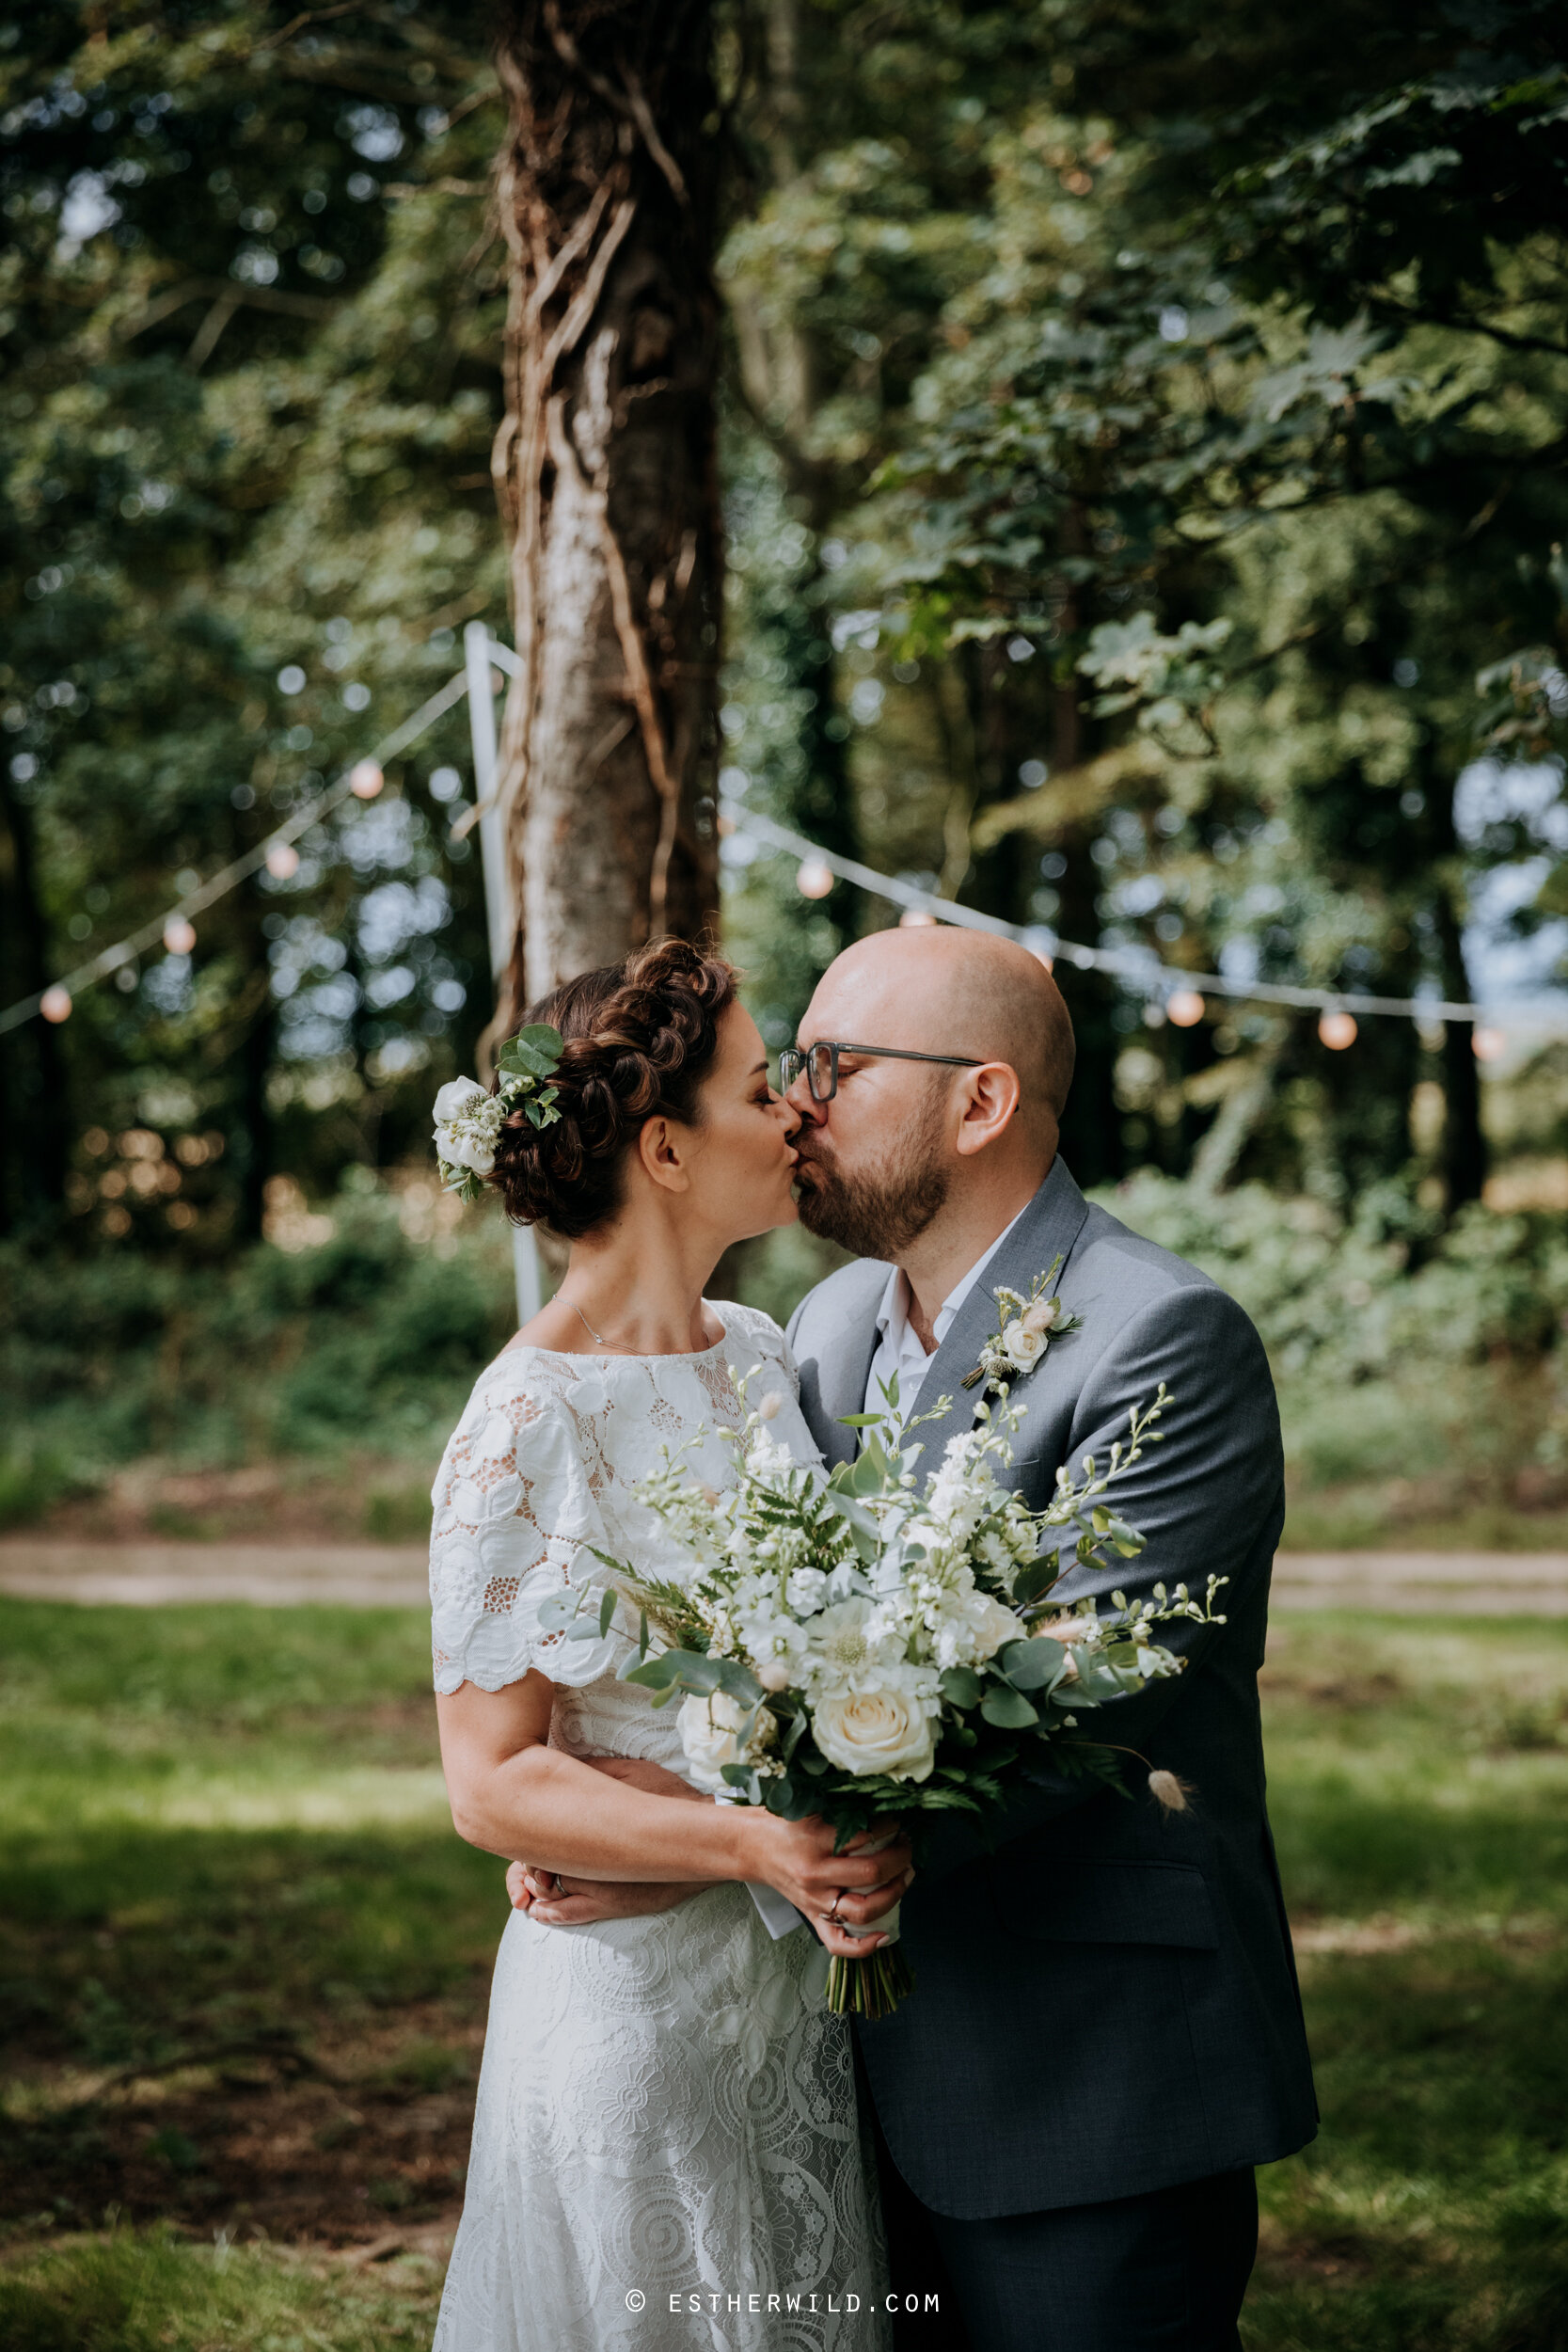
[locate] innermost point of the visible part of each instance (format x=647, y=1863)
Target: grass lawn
x=242, y=1964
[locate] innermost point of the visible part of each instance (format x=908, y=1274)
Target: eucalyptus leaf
x=1036, y=1664
x=1006, y=1707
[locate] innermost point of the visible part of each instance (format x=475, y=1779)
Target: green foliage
x=226, y=563
x=1142, y=431
x=366, y=1339
x=1420, y=1374
x=131, y=2292
x=29, y=1482
x=1339, y=1303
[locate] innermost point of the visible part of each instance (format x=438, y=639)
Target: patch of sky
x=1140, y=896
x=373, y=132
x=389, y=916
x=1506, y=960
x=1239, y=960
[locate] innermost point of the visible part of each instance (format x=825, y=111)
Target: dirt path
x=359, y=1576
x=393, y=1576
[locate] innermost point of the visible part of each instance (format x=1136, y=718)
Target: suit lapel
x=844, y=1367
x=1048, y=1228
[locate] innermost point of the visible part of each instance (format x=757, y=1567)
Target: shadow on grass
x=309, y=1999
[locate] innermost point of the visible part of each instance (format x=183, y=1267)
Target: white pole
x=497, y=909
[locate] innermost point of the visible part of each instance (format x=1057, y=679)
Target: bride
x=666, y=2153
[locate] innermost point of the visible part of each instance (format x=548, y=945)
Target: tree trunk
x=1464, y=1138
x=605, y=468
x=33, y=1087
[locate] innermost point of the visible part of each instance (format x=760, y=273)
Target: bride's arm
x=557, y=1900
x=513, y=1794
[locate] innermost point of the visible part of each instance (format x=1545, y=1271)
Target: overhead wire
x=1137, y=970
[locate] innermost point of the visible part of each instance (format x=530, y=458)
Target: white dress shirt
x=899, y=1346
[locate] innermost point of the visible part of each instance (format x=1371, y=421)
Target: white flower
x=805, y=1589
x=1024, y=1348
x=708, y=1727
x=1043, y=1315
x=847, y=1651
x=875, y=1731
x=772, y=1405
x=991, y=1625
x=468, y=1121
x=456, y=1097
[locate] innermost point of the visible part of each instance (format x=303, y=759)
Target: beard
x=877, y=1216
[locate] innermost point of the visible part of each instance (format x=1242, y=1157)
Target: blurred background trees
x=1136, y=436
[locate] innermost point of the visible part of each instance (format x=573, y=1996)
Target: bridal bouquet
x=857, y=1645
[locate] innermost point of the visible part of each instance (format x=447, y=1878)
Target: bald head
x=946, y=991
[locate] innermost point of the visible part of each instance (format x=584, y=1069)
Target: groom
x=1107, y=2035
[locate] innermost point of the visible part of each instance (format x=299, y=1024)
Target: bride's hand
x=798, y=1858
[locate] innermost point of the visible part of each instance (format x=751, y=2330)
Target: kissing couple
x=677, y=2146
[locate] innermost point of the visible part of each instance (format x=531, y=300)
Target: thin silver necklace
x=593, y=1335
x=587, y=1325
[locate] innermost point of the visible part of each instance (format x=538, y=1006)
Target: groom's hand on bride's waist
x=558, y=1901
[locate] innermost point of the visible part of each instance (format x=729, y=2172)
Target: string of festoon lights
x=1169, y=991
x=1182, y=997
x=175, y=928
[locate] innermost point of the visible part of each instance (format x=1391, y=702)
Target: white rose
x=1022, y=1347
x=991, y=1625
x=707, y=1727
x=875, y=1731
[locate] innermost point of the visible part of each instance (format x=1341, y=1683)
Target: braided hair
x=638, y=1038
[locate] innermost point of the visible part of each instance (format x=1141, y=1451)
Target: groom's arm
x=1208, y=1497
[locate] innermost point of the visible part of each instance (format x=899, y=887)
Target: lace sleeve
x=755, y=1338
x=515, y=1515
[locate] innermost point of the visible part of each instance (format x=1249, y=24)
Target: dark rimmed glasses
x=820, y=1063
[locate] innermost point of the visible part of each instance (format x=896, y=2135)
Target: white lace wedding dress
x=666, y=2156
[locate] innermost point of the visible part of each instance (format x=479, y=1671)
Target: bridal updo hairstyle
x=638, y=1038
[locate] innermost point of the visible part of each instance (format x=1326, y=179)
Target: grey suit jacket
x=1106, y=1997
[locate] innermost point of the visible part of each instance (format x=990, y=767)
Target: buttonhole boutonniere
x=1024, y=1329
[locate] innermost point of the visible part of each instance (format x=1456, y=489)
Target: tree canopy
x=1141, y=431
